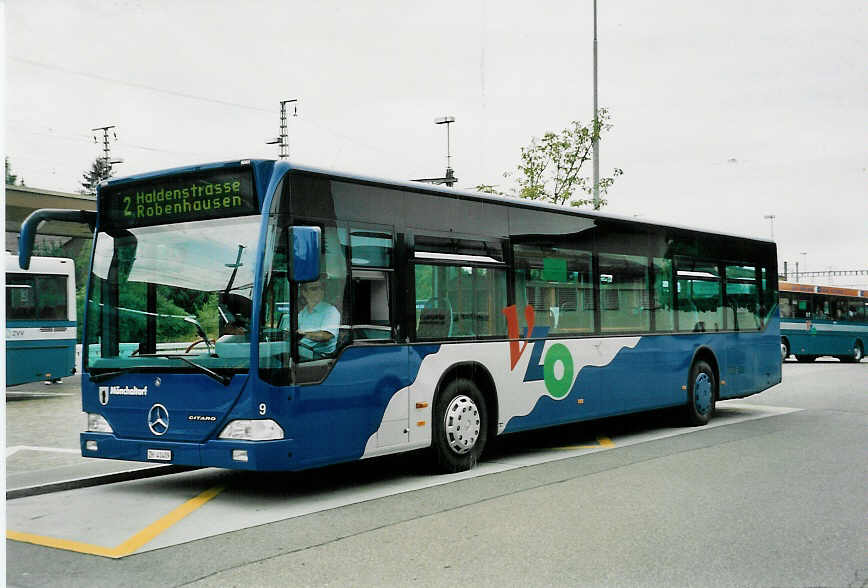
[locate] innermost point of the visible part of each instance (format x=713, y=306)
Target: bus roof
x=41, y=265
x=830, y=290
x=262, y=167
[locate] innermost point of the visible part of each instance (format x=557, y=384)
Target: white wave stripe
x=515, y=396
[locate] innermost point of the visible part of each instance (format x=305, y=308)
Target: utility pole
x=771, y=219
x=283, y=139
x=596, y=135
x=106, y=146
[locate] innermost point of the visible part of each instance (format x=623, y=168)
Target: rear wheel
x=856, y=355
x=785, y=349
x=460, y=426
x=805, y=358
x=700, y=393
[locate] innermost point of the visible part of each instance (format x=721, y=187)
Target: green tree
x=12, y=179
x=551, y=167
x=100, y=170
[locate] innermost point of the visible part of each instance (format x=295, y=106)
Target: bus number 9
x=262, y=408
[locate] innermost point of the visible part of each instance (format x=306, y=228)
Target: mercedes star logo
x=158, y=419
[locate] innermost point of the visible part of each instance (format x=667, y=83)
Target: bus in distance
x=823, y=320
x=40, y=320
x=264, y=315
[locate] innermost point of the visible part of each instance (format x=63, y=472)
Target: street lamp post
x=447, y=120
x=596, y=135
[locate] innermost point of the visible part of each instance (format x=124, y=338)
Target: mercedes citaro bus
x=263, y=315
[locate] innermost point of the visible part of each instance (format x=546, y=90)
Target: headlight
x=252, y=430
x=97, y=424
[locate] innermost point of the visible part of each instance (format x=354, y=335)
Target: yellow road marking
x=601, y=442
x=132, y=544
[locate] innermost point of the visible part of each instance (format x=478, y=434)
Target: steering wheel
x=314, y=353
x=194, y=343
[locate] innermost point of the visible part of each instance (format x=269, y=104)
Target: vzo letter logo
x=556, y=369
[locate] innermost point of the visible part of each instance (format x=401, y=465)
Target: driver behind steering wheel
x=318, y=322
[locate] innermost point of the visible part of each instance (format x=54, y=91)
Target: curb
x=102, y=479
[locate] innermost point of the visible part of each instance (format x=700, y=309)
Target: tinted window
x=459, y=301
x=823, y=308
x=20, y=296
x=786, y=306
x=801, y=306
x=856, y=309
x=556, y=282
x=322, y=307
x=742, y=299
x=698, y=290
x=36, y=297
x=371, y=247
x=624, y=303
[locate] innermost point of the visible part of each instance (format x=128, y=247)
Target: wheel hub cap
x=461, y=424
x=702, y=393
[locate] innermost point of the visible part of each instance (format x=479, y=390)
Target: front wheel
x=785, y=349
x=700, y=393
x=460, y=426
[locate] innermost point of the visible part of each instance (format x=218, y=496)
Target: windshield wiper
x=107, y=375
x=219, y=377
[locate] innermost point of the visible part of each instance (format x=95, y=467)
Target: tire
x=701, y=393
x=460, y=427
x=785, y=349
x=805, y=358
x=856, y=355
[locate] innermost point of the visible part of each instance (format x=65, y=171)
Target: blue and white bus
x=263, y=315
x=40, y=320
x=823, y=320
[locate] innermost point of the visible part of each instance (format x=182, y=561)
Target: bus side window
x=371, y=259
x=20, y=297
x=786, y=307
x=52, y=297
x=556, y=281
x=371, y=317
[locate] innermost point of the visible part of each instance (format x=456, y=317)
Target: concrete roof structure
x=22, y=200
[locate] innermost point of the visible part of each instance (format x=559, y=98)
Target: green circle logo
x=558, y=387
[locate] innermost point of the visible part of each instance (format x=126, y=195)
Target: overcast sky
x=723, y=111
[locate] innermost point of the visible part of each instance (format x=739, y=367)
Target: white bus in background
x=40, y=320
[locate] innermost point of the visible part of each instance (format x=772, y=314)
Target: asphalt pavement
x=776, y=501
x=43, y=422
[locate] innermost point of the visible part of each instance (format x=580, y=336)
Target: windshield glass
x=169, y=295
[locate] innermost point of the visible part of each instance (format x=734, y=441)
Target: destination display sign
x=201, y=195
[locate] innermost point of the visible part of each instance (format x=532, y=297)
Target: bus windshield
x=171, y=295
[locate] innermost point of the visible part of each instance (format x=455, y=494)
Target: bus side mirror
x=31, y=224
x=305, y=253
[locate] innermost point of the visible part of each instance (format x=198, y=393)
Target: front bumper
x=261, y=455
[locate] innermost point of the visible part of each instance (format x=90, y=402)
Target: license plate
x=160, y=454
